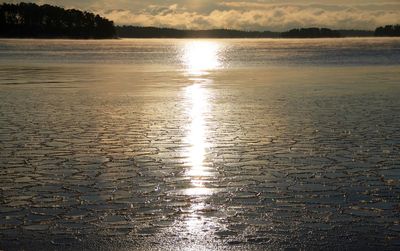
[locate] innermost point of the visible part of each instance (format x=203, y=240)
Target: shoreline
x=250, y=38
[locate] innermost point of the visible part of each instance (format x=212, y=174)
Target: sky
x=273, y=15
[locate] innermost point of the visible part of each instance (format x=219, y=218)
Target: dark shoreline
x=119, y=38
x=61, y=38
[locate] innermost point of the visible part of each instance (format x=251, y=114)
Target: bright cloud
x=256, y=16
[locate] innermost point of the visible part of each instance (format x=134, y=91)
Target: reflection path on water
x=199, y=58
x=198, y=99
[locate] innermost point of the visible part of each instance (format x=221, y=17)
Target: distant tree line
x=32, y=20
x=388, y=31
x=310, y=33
x=154, y=32
x=356, y=33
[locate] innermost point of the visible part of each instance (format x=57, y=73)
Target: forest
x=388, y=31
x=46, y=21
x=154, y=32
x=310, y=33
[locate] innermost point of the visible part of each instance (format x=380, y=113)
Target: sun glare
x=201, y=56
x=196, y=137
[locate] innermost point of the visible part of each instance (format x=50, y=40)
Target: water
x=200, y=144
x=240, y=52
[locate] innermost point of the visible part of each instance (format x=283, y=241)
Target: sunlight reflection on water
x=196, y=138
x=198, y=128
x=199, y=57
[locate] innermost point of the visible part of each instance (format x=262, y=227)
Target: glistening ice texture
x=199, y=145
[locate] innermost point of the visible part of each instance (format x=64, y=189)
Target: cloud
x=259, y=16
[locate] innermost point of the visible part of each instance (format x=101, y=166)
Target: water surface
x=200, y=144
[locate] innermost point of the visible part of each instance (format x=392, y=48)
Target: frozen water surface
x=200, y=144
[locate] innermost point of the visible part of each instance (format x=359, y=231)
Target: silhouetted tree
x=154, y=32
x=32, y=20
x=356, y=33
x=310, y=33
x=388, y=31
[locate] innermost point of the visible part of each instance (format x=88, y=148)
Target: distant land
x=388, y=30
x=154, y=32
x=29, y=20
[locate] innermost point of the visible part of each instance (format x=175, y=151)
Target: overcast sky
x=275, y=15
